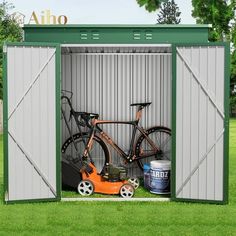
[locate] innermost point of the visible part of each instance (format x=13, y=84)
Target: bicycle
x=152, y=144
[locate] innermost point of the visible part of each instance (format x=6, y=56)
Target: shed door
x=31, y=147
x=200, y=123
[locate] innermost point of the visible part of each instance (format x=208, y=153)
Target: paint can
x=160, y=176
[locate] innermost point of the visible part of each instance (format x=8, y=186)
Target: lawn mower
x=81, y=173
x=114, y=181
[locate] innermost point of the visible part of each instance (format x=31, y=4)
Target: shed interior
x=106, y=79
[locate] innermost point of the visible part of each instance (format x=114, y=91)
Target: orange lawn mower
x=114, y=181
x=80, y=168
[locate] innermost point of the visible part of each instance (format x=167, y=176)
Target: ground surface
x=123, y=218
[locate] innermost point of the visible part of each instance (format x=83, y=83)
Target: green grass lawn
x=123, y=218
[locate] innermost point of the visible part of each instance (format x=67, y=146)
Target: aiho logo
x=47, y=18
x=44, y=18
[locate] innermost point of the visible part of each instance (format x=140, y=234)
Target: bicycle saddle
x=143, y=104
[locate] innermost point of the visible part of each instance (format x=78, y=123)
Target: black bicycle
x=152, y=144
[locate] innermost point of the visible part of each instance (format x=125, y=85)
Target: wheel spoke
x=163, y=145
x=162, y=139
x=98, y=151
x=158, y=140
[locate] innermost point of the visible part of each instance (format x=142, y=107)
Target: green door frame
x=58, y=128
x=226, y=122
x=58, y=125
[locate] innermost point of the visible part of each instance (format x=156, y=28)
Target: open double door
x=200, y=90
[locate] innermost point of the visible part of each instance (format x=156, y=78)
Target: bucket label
x=160, y=180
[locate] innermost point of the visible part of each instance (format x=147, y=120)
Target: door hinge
x=4, y=48
x=6, y=196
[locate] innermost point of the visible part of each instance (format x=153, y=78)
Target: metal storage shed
x=187, y=77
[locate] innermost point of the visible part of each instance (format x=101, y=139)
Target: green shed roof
x=117, y=34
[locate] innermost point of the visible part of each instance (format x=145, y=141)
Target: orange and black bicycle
x=150, y=144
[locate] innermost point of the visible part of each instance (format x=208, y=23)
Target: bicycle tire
x=164, y=143
x=100, y=157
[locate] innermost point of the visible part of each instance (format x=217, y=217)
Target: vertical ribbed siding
x=31, y=122
x=199, y=122
x=108, y=84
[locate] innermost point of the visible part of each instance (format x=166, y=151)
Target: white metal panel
x=108, y=84
x=199, y=122
x=31, y=123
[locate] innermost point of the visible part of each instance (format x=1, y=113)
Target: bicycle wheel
x=99, y=152
x=161, y=137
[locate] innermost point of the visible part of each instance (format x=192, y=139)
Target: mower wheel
x=85, y=188
x=134, y=181
x=127, y=191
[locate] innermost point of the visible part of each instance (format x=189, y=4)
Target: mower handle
x=68, y=100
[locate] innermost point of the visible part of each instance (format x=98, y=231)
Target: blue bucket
x=160, y=177
x=146, y=176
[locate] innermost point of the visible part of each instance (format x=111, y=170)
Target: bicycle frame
x=130, y=157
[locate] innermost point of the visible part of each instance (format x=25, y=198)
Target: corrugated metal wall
x=108, y=84
x=200, y=122
x=31, y=123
